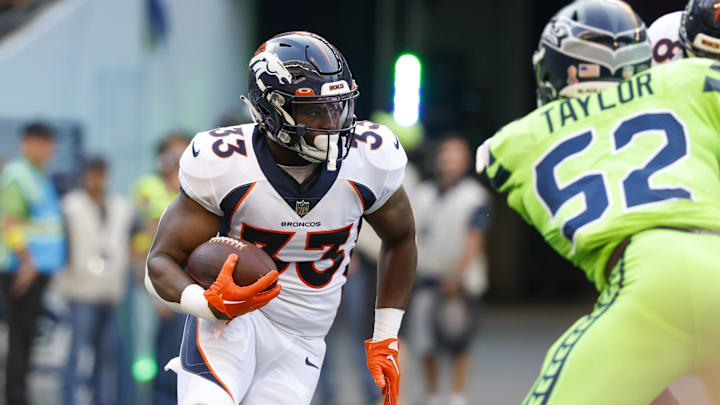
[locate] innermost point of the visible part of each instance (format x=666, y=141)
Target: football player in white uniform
x=692, y=32
x=297, y=183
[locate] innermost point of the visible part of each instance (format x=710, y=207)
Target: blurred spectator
x=98, y=229
x=450, y=216
x=153, y=193
x=32, y=248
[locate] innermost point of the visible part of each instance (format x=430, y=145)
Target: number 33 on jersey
x=589, y=171
x=309, y=230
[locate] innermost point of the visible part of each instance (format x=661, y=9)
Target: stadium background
x=113, y=77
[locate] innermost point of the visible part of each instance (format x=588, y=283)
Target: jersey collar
x=297, y=196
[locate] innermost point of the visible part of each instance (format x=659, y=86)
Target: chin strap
x=254, y=113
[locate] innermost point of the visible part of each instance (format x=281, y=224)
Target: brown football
x=205, y=262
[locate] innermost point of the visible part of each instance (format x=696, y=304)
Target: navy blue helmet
x=588, y=46
x=300, y=73
x=700, y=28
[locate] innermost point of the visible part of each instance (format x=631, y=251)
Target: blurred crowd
x=94, y=243
x=89, y=247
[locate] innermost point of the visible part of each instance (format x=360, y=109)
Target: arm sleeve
x=197, y=177
x=12, y=201
x=382, y=168
x=393, y=181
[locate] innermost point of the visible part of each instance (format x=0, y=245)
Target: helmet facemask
x=329, y=121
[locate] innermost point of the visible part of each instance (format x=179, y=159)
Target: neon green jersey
x=589, y=171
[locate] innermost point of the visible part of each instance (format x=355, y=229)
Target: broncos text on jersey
x=309, y=230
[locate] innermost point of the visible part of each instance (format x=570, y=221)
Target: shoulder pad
x=667, y=25
x=376, y=161
x=377, y=145
x=210, y=157
x=213, y=153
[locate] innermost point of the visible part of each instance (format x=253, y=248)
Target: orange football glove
x=384, y=366
x=234, y=300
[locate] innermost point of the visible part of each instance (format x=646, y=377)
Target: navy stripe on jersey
x=311, y=190
x=500, y=177
x=366, y=195
x=190, y=356
x=229, y=204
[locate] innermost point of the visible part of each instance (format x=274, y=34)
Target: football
x=206, y=261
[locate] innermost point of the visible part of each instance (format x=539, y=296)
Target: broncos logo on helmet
x=269, y=63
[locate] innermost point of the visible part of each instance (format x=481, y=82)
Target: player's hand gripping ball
x=238, y=276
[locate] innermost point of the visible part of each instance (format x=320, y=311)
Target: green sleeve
x=12, y=201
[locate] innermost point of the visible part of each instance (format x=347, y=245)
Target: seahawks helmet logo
x=268, y=62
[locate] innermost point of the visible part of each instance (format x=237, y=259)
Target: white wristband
x=387, y=323
x=193, y=302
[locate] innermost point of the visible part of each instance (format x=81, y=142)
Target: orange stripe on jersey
x=238, y=206
x=207, y=363
x=362, y=202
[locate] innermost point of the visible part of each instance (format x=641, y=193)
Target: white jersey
x=664, y=35
x=310, y=229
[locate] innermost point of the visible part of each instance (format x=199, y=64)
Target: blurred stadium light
x=406, y=100
x=144, y=369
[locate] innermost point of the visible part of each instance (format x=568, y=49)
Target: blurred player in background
x=451, y=216
x=692, y=32
x=625, y=184
x=32, y=248
x=297, y=183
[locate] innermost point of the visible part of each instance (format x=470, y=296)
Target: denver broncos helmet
x=588, y=46
x=300, y=73
x=700, y=28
